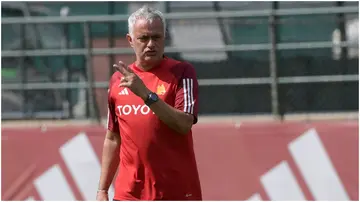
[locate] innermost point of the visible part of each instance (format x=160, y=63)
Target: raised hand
x=131, y=80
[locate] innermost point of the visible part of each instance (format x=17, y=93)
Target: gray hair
x=147, y=13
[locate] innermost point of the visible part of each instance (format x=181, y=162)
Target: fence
x=273, y=48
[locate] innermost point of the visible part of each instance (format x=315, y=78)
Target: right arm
x=111, y=149
x=110, y=159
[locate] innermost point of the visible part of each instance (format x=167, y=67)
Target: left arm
x=183, y=115
x=176, y=119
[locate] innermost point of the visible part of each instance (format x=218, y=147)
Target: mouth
x=150, y=53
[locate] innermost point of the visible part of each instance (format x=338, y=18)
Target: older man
x=153, y=105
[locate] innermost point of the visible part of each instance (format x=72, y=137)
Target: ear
x=130, y=39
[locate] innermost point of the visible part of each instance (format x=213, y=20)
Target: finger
x=123, y=69
x=123, y=79
x=120, y=69
x=126, y=67
x=124, y=84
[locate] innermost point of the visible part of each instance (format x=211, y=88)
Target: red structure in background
x=251, y=161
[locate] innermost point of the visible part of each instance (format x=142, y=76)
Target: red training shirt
x=156, y=163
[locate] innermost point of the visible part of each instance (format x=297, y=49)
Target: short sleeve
x=187, y=91
x=112, y=122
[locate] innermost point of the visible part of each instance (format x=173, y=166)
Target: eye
x=147, y=38
x=144, y=38
x=156, y=37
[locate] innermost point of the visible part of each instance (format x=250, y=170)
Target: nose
x=151, y=43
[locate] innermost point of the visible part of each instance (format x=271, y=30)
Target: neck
x=146, y=66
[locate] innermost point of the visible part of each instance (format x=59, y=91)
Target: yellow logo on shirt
x=161, y=89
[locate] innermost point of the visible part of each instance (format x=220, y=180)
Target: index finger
x=121, y=67
x=126, y=67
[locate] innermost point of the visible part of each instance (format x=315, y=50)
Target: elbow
x=185, y=125
x=184, y=131
x=112, y=138
x=185, y=128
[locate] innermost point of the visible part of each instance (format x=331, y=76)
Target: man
x=152, y=107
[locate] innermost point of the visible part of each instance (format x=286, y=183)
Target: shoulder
x=115, y=77
x=181, y=68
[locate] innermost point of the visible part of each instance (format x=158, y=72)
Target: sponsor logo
x=161, y=89
x=314, y=164
x=133, y=109
x=124, y=92
x=279, y=182
x=81, y=160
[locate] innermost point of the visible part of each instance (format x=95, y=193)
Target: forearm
x=110, y=162
x=172, y=117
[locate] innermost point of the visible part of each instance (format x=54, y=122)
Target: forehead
x=143, y=26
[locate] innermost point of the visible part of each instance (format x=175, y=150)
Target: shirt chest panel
x=130, y=107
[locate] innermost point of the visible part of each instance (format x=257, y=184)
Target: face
x=148, y=40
